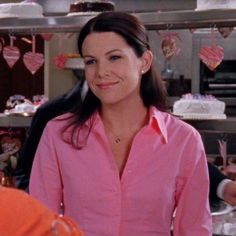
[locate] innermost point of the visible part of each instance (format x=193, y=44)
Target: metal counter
x=214, y=130
x=14, y=121
x=215, y=126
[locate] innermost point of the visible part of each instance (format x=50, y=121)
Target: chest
x=120, y=147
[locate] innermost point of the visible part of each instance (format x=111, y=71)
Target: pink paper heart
x=33, y=61
x=47, y=36
x=11, y=54
x=211, y=56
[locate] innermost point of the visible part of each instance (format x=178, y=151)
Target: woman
x=120, y=164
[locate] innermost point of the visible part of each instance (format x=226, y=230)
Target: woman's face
x=112, y=69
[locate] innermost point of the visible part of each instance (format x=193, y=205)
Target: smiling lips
x=106, y=85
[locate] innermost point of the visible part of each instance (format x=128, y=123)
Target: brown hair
x=134, y=33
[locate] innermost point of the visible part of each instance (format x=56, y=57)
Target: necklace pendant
x=117, y=140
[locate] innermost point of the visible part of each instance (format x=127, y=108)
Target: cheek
x=89, y=75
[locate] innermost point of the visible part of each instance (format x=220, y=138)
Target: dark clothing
x=46, y=112
x=216, y=176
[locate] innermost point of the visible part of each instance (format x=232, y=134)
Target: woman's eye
x=89, y=62
x=115, y=57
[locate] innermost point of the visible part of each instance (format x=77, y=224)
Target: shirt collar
x=157, y=122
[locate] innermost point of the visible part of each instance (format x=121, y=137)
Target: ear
x=147, y=59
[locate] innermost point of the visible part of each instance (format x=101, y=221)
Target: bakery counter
x=214, y=130
x=14, y=120
x=227, y=125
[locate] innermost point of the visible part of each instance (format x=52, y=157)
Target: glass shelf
x=152, y=20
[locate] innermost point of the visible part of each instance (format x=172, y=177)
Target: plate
x=88, y=13
x=219, y=208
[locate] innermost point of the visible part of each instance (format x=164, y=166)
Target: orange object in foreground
x=22, y=215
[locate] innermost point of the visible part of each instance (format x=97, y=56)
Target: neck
x=121, y=118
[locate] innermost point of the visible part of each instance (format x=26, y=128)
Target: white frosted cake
x=215, y=4
x=199, y=107
x=21, y=10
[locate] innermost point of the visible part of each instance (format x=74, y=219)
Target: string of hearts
x=32, y=60
x=211, y=55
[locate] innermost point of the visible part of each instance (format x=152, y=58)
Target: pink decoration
x=169, y=46
x=60, y=61
x=33, y=61
x=47, y=36
x=211, y=56
x=11, y=54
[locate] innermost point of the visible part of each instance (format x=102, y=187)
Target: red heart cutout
x=33, y=61
x=211, y=56
x=11, y=54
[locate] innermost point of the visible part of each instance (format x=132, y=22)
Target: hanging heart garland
x=169, y=45
x=47, y=36
x=32, y=60
x=11, y=53
x=212, y=55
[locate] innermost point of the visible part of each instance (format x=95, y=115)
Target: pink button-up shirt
x=166, y=169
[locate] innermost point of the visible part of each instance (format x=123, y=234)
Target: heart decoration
x=11, y=53
x=47, y=36
x=211, y=56
x=169, y=46
x=32, y=60
x=225, y=31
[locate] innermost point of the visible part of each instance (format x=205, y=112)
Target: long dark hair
x=134, y=33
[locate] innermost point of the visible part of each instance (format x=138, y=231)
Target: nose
x=102, y=70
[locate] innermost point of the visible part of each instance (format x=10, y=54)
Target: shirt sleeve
x=45, y=180
x=192, y=205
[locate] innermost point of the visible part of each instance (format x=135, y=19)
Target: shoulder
x=59, y=122
x=175, y=124
x=178, y=131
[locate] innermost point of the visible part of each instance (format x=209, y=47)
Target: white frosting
x=193, y=108
x=21, y=10
x=215, y=4
x=24, y=108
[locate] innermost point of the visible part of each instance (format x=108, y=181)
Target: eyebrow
x=107, y=53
